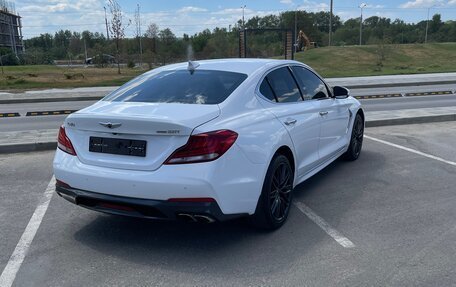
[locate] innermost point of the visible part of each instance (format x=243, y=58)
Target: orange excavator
x=302, y=42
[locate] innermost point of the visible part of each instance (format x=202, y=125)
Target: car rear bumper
x=232, y=181
x=206, y=212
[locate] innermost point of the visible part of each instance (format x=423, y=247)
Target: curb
x=412, y=120
x=52, y=144
x=28, y=147
x=47, y=100
x=392, y=85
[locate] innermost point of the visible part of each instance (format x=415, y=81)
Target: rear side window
x=312, y=87
x=283, y=86
x=200, y=87
x=266, y=91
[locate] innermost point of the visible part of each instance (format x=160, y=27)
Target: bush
x=131, y=64
x=74, y=76
x=10, y=60
x=20, y=81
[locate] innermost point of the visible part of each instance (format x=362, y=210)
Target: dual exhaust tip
x=196, y=218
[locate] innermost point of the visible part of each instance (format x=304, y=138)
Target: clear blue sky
x=191, y=16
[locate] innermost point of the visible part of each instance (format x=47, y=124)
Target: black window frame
x=328, y=90
x=265, y=78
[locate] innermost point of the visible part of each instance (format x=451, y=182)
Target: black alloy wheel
x=275, y=201
x=280, y=191
x=356, y=141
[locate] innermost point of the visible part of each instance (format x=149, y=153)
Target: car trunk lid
x=163, y=126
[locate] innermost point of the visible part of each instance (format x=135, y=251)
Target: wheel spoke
x=274, y=206
x=275, y=181
x=273, y=194
x=283, y=174
x=285, y=180
x=280, y=194
x=286, y=199
x=285, y=205
x=279, y=209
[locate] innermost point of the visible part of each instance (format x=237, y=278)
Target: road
x=395, y=206
x=381, y=104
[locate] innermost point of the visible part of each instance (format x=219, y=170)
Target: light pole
x=427, y=24
x=106, y=22
x=296, y=30
x=361, y=6
x=243, y=21
x=330, y=23
x=138, y=32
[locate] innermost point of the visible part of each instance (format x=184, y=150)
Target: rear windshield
x=200, y=87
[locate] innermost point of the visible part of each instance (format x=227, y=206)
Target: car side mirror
x=340, y=92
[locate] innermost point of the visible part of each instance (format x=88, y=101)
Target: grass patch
x=47, y=76
x=353, y=61
x=369, y=60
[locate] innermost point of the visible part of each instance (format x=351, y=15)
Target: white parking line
x=412, y=150
x=22, y=247
x=336, y=235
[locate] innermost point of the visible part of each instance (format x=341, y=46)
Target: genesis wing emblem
x=110, y=125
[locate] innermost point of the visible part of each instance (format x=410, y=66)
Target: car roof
x=245, y=65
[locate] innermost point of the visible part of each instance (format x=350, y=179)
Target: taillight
x=64, y=143
x=203, y=147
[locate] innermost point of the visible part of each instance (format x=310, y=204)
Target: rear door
x=334, y=113
x=281, y=95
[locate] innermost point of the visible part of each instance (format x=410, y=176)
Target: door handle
x=290, y=122
x=323, y=113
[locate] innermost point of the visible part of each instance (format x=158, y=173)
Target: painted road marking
x=9, y=115
x=50, y=113
x=22, y=247
x=429, y=93
x=382, y=96
x=379, y=96
x=336, y=235
x=412, y=150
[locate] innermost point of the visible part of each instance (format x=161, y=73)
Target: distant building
x=10, y=28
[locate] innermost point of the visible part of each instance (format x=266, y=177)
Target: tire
x=275, y=200
x=356, y=139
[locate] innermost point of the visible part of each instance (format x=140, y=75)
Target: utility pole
x=243, y=21
x=361, y=24
x=85, y=51
x=427, y=25
x=296, y=30
x=106, y=22
x=330, y=23
x=138, y=32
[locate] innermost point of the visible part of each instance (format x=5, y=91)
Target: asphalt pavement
x=395, y=205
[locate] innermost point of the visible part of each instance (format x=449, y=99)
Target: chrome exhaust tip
x=204, y=218
x=187, y=217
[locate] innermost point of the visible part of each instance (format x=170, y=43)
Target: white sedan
x=207, y=141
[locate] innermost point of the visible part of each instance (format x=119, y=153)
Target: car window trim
x=323, y=81
x=296, y=82
x=270, y=86
x=264, y=76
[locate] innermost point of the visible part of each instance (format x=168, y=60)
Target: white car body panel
x=140, y=121
x=234, y=180
x=334, y=134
